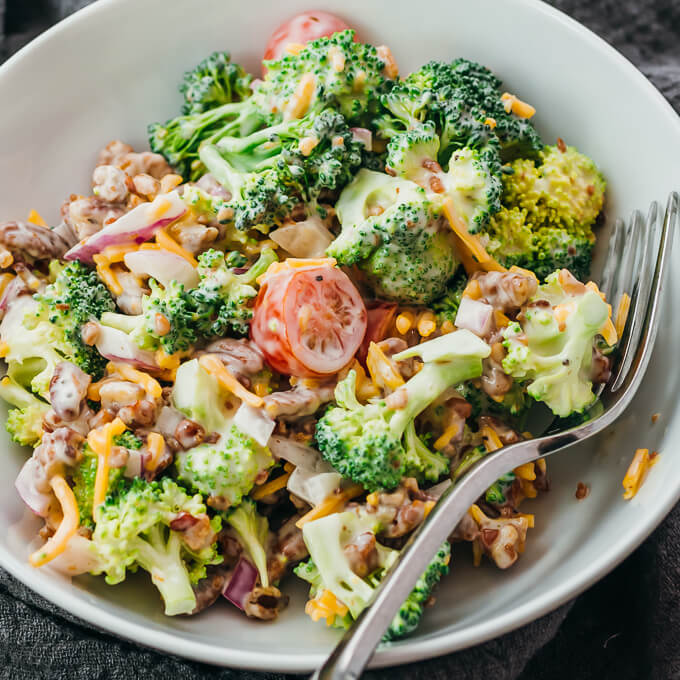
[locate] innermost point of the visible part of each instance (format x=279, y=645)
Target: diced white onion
x=309, y=238
x=300, y=455
x=313, y=487
x=254, y=422
x=475, y=316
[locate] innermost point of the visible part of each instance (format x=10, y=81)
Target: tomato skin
x=309, y=321
x=301, y=29
x=380, y=315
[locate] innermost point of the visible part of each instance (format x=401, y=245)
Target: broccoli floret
x=275, y=168
x=253, y=532
x=347, y=75
x=128, y=440
x=222, y=300
x=463, y=99
x=83, y=480
x=328, y=570
x=497, y=492
x=226, y=470
x=32, y=343
x=512, y=406
x=76, y=297
x=133, y=529
x=557, y=356
x=389, y=230
x=549, y=208
x=472, y=180
x=219, y=305
x=24, y=423
x=366, y=443
x=408, y=618
x=215, y=81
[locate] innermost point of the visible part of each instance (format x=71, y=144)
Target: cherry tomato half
x=308, y=321
x=301, y=29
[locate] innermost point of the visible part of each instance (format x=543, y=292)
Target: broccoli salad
x=261, y=350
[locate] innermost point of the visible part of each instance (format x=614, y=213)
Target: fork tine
x=626, y=275
x=642, y=329
x=613, y=257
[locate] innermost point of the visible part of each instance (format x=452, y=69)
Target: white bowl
x=114, y=67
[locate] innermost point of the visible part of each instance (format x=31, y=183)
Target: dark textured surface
x=625, y=627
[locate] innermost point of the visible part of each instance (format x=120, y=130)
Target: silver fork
x=627, y=268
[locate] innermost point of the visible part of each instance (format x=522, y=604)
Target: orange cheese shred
x=34, y=217
x=57, y=543
x=332, y=504
x=100, y=441
x=150, y=385
x=271, y=487
x=166, y=242
x=492, y=441
x=470, y=241
x=637, y=471
x=156, y=445
x=213, y=365
x=622, y=314
x=381, y=369
x=325, y=606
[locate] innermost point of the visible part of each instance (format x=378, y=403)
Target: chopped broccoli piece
x=215, y=81
x=253, y=532
x=133, y=529
x=24, y=423
x=447, y=305
x=76, y=297
x=83, y=480
x=129, y=440
x=496, y=493
x=410, y=613
x=348, y=76
x=549, y=208
x=389, y=230
x=366, y=443
x=328, y=569
x=226, y=470
x=556, y=359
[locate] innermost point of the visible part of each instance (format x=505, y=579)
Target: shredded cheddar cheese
x=524, y=272
x=526, y=471
x=470, y=241
x=295, y=263
x=608, y=332
x=473, y=290
x=449, y=433
x=4, y=351
x=213, y=365
x=156, y=445
x=501, y=320
x=166, y=242
x=294, y=48
x=325, y=606
x=492, y=441
x=637, y=471
x=150, y=385
x=517, y=106
x=622, y=314
x=68, y=526
x=106, y=274
x=100, y=441
x=300, y=101
x=332, y=504
x=271, y=487
x=113, y=254
x=34, y=217
x=382, y=370
x=6, y=258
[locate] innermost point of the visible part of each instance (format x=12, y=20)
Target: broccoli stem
x=223, y=172
x=122, y=322
x=162, y=559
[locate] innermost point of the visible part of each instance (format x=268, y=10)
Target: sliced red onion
x=298, y=454
x=254, y=422
x=162, y=266
x=308, y=238
x=241, y=583
x=116, y=345
x=475, y=316
x=37, y=501
x=363, y=136
x=136, y=226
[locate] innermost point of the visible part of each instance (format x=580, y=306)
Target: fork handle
x=353, y=652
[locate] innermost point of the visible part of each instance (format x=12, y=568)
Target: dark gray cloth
x=625, y=627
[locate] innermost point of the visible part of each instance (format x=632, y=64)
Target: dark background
x=625, y=627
